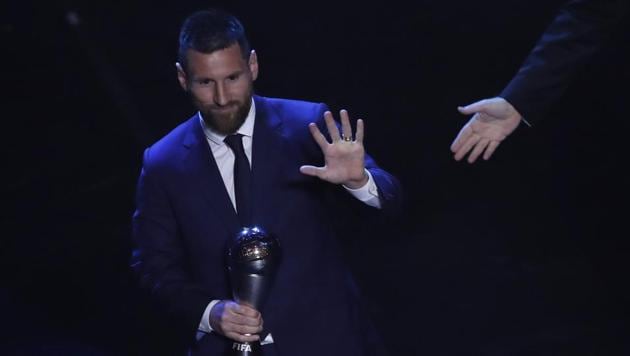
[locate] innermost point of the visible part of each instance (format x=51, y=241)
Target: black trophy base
x=246, y=349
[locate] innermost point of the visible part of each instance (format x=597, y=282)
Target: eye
x=233, y=77
x=204, y=82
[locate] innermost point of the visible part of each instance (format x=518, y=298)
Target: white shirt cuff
x=367, y=193
x=204, y=324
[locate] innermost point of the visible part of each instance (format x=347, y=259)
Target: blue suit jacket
x=184, y=221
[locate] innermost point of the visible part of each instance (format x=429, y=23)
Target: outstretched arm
x=577, y=32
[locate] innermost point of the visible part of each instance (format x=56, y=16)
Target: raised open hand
x=344, y=156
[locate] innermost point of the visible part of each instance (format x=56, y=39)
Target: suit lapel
x=204, y=173
x=266, y=162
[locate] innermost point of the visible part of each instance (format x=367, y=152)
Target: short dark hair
x=211, y=30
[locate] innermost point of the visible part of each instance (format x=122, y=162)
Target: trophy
x=252, y=262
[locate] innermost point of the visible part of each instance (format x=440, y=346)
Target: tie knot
x=235, y=142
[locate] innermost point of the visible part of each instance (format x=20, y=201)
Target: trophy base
x=246, y=349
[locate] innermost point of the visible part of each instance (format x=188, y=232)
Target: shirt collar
x=246, y=129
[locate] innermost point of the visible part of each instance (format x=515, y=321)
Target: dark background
x=525, y=254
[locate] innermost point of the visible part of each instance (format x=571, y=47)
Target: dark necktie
x=242, y=179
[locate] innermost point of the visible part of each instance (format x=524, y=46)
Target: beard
x=226, y=119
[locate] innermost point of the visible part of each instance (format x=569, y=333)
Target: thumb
x=312, y=171
x=475, y=107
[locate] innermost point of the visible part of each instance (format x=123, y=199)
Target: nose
x=220, y=96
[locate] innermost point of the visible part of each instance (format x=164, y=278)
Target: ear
x=181, y=76
x=253, y=64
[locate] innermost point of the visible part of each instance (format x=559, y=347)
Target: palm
x=490, y=127
x=493, y=120
x=343, y=162
x=343, y=157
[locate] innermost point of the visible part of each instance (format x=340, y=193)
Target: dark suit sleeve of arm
x=577, y=32
x=160, y=260
x=389, y=188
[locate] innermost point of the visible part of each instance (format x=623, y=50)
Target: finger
x=479, y=147
x=490, y=150
x=312, y=171
x=236, y=322
x=247, y=311
x=474, y=107
x=246, y=329
x=234, y=318
x=242, y=324
x=358, y=137
x=241, y=337
x=332, y=128
x=346, y=129
x=241, y=328
x=240, y=319
x=466, y=147
x=464, y=135
x=318, y=136
x=231, y=319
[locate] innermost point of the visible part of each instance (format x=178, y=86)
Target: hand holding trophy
x=252, y=262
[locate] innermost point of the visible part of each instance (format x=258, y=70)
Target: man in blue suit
x=304, y=167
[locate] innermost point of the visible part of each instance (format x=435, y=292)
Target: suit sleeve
x=159, y=259
x=577, y=32
x=389, y=189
